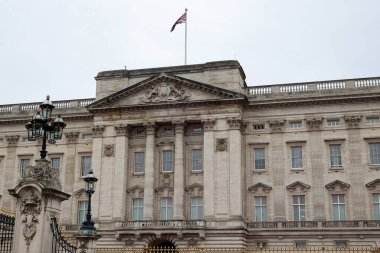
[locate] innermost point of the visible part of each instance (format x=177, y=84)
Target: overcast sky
x=57, y=47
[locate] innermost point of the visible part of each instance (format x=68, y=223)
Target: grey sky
x=57, y=47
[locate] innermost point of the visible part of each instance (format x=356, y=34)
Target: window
x=86, y=165
x=373, y=120
x=261, y=208
x=137, y=209
x=196, y=159
x=374, y=153
x=23, y=164
x=299, y=207
x=333, y=122
x=259, y=158
x=295, y=124
x=296, y=157
x=196, y=208
x=167, y=161
x=335, y=155
x=376, y=206
x=258, y=126
x=82, y=210
x=301, y=245
x=340, y=244
x=139, y=162
x=87, y=136
x=166, y=208
x=55, y=163
x=339, y=207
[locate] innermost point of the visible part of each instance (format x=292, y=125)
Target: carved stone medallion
x=109, y=150
x=164, y=92
x=221, y=144
x=30, y=209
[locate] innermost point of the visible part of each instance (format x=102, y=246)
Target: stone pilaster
x=178, y=171
x=209, y=164
x=236, y=170
x=120, y=174
x=149, y=171
x=96, y=165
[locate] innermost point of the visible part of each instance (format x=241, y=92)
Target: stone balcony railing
x=62, y=104
x=278, y=225
x=315, y=86
x=163, y=224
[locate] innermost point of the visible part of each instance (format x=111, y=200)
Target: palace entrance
x=162, y=244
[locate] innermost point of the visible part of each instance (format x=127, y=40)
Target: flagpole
x=186, y=37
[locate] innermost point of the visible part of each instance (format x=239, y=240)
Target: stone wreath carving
x=42, y=169
x=221, y=144
x=30, y=209
x=164, y=92
x=109, y=150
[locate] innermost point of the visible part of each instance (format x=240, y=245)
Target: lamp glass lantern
x=47, y=108
x=58, y=125
x=90, y=181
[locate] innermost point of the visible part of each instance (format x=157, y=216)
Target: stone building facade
x=191, y=155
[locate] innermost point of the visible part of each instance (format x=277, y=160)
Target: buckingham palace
x=190, y=155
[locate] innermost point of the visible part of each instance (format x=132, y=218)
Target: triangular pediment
x=80, y=193
x=298, y=186
x=375, y=184
x=165, y=89
x=337, y=185
x=259, y=186
x=163, y=188
x=194, y=186
x=135, y=188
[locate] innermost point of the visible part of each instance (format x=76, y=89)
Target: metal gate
x=59, y=243
x=7, y=223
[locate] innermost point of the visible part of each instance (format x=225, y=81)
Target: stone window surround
x=22, y=157
x=298, y=188
x=339, y=190
x=297, y=143
x=289, y=124
x=79, y=195
x=188, y=157
x=372, y=117
x=373, y=188
x=370, y=141
x=193, y=191
x=260, y=190
x=332, y=119
x=251, y=157
x=132, y=151
x=159, y=153
x=79, y=157
x=343, y=152
x=134, y=192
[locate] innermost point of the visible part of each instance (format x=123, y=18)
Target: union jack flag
x=181, y=20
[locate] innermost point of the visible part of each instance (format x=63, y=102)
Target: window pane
x=299, y=207
x=23, y=164
x=197, y=159
x=335, y=155
x=296, y=157
x=260, y=208
x=196, y=208
x=376, y=206
x=166, y=208
x=259, y=158
x=339, y=207
x=86, y=165
x=137, y=208
x=374, y=152
x=139, y=162
x=167, y=160
x=55, y=163
x=82, y=211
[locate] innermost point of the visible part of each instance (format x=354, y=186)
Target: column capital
x=12, y=140
x=150, y=128
x=208, y=124
x=122, y=130
x=234, y=123
x=71, y=137
x=179, y=126
x=97, y=131
x=314, y=123
x=353, y=121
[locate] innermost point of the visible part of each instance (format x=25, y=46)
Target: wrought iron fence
x=7, y=223
x=59, y=243
x=245, y=250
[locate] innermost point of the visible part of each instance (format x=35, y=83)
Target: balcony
x=162, y=224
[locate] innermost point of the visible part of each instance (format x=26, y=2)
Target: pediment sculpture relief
x=164, y=92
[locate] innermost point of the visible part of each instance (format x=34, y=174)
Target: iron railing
x=7, y=223
x=59, y=242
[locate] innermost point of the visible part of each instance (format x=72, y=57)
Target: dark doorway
x=162, y=244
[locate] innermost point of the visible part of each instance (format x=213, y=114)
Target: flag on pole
x=181, y=20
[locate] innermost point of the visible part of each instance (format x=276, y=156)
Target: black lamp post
x=90, y=181
x=39, y=126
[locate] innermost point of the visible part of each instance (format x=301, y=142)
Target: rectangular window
x=261, y=208
x=137, y=209
x=339, y=207
x=23, y=164
x=196, y=208
x=296, y=157
x=295, y=124
x=167, y=160
x=85, y=165
x=166, y=208
x=82, y=211
x=259, y=158
x=374, y=153
x=301, y=245
x=335, y=155
x=299, y=207
x=139, y=162
x=55, y=163
x=197, y=160
x=376, y=206
x=340, y=244
x=373, y=120
x=258, y=126
x=333, y=122
x=87, y=136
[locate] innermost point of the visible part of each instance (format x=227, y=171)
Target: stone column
x=178, y=171
x=120, y=176
x=208, y=178
x=96, y=165
x=39, y=198
x=149, y=172
x=236, y=170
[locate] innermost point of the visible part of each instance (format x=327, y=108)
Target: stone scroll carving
x=42, y=170
x=30, y=209
x=164, y=92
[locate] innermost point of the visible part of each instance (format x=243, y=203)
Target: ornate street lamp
x=90, y=181
x=39, y=126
